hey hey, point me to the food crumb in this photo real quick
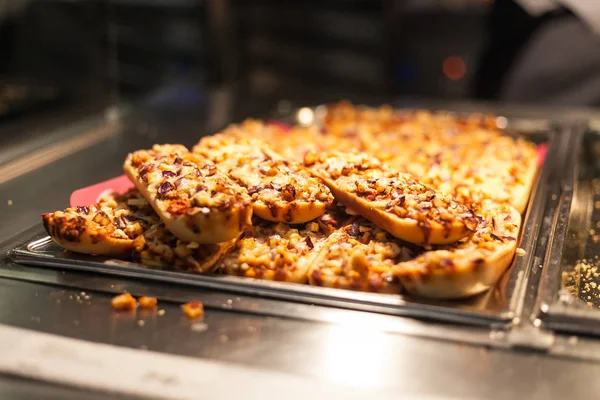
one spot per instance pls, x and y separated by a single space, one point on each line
124 302
521 252
141 323
147 303
161 312
193 309
10 202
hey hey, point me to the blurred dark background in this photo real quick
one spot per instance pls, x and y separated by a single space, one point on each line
86 55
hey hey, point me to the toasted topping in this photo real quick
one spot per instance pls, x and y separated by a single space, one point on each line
276 251
495 233
281 190
359 257
388 198
106 228
159 248
194 200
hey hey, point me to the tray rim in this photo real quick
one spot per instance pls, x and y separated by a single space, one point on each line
550 311
517 275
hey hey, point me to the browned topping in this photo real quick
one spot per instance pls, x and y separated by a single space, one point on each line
359 257
123 302
185 184
158 248
113 218
393 192
275 251
193 309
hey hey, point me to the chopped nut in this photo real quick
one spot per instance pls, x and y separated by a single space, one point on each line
124 302
193 309
161 312
147 303
521 252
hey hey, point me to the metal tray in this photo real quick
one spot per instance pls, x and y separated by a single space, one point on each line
495 308
569 296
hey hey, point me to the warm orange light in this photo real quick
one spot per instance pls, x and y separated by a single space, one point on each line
454 68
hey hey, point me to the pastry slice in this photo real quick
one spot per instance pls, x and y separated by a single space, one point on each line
360 256
394 201
279 252
158 248
108 228
196 202
281 190
470 266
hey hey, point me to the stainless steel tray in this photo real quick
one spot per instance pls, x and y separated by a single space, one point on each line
569 295
495 308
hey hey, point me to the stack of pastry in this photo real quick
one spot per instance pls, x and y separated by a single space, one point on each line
366 199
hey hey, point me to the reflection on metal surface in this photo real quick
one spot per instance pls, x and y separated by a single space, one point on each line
354 355
56 151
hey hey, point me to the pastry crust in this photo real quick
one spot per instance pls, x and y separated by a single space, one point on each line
107 228
196 202
159 248
394 201
360 256
279 252
469 267
467 157
281 190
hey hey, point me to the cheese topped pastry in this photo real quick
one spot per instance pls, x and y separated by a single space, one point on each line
470 266
281 190
196 202
394 201
360 256
107 228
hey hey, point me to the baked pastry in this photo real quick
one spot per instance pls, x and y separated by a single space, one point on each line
281 190
196 202
159 248
468 156
279 252
360 256
470 266
394 201
107 228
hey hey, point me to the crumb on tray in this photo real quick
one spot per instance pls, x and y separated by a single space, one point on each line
193 309
124 302
147 303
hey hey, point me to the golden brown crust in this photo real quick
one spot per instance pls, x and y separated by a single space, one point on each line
107 228
396 202
281 190
471 266
279 252
159 248
196 202
467 157
360 256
